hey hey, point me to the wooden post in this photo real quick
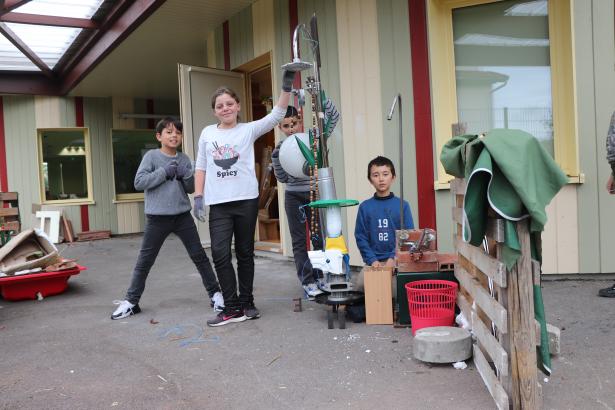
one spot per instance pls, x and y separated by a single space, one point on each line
522 328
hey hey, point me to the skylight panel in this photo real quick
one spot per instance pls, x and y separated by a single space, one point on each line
500 41
11 59
47 42
61 8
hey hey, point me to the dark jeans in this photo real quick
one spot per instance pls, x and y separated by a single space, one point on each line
236 218
297 225
157 228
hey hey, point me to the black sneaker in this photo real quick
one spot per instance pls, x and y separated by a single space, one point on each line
607 292
125 309
227 316
251 311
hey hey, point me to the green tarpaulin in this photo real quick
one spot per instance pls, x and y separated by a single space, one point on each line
510 172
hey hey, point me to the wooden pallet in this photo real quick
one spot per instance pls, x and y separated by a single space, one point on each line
93 235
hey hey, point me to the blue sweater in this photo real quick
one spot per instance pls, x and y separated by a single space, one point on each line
377 220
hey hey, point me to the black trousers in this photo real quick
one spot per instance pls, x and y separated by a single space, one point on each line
238 219
298 232
157 228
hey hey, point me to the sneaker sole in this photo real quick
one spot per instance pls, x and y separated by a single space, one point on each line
253 317
128 314
226 322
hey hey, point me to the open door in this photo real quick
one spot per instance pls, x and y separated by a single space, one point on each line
196 85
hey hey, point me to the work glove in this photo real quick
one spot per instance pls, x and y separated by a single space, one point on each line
182 171
171 169
288 77
199 209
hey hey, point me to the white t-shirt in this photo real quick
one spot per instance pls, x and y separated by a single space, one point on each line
227 157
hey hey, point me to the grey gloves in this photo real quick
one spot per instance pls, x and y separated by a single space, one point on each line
199 209
171 169
182 171
288 77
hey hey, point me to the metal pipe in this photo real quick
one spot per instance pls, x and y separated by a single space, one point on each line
397 101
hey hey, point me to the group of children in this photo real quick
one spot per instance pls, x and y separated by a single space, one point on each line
224 179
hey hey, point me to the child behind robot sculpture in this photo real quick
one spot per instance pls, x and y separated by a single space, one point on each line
297 196
379 217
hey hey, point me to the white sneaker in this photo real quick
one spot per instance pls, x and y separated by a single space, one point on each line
311 289
218 302
124 309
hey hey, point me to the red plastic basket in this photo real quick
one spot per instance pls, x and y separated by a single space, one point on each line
24 287
431 303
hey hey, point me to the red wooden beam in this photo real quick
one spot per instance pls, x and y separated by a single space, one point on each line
227 45
4 179
38 19
31 83
10 5
23 47
107 39
422 114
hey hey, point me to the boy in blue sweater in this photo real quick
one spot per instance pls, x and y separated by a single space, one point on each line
379 216
167 178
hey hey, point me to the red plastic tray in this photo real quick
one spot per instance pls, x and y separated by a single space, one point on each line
27 286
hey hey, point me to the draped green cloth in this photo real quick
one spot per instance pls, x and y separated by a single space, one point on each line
510 172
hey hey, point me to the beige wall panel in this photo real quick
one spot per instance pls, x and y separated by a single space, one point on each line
560 244
262 26
122 105
361 105
47 112
128 218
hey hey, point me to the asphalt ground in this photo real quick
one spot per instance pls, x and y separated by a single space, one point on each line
64 352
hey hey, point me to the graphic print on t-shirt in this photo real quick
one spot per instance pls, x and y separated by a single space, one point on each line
225 157
383 228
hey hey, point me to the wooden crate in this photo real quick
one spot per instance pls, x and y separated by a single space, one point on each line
9 211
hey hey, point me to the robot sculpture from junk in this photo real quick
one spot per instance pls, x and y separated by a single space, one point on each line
304 154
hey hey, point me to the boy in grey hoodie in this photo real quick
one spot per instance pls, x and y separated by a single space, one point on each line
167 178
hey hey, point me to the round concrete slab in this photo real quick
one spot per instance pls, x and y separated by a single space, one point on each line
442 344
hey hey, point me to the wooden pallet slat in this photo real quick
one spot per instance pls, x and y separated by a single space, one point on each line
489 266
491 381
9 212
490 344
483 299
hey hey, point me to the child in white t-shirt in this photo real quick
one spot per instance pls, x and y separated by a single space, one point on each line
225 180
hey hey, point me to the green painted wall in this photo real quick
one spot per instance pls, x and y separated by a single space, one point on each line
396 77
98 117
241 42
595 63
22 153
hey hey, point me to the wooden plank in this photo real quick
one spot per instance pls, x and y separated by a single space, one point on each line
491 267
458 186
8 196
490 344
493 385
9 211
522 327
490 306
378 295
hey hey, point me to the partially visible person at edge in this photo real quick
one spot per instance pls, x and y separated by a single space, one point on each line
610 186
225 180
296 196
166 176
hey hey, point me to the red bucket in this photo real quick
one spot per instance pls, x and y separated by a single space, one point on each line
431 303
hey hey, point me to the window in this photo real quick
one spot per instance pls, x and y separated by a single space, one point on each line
129 146
504 64
65 165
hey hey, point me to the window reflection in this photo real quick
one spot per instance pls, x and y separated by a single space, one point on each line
64 165
503 69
